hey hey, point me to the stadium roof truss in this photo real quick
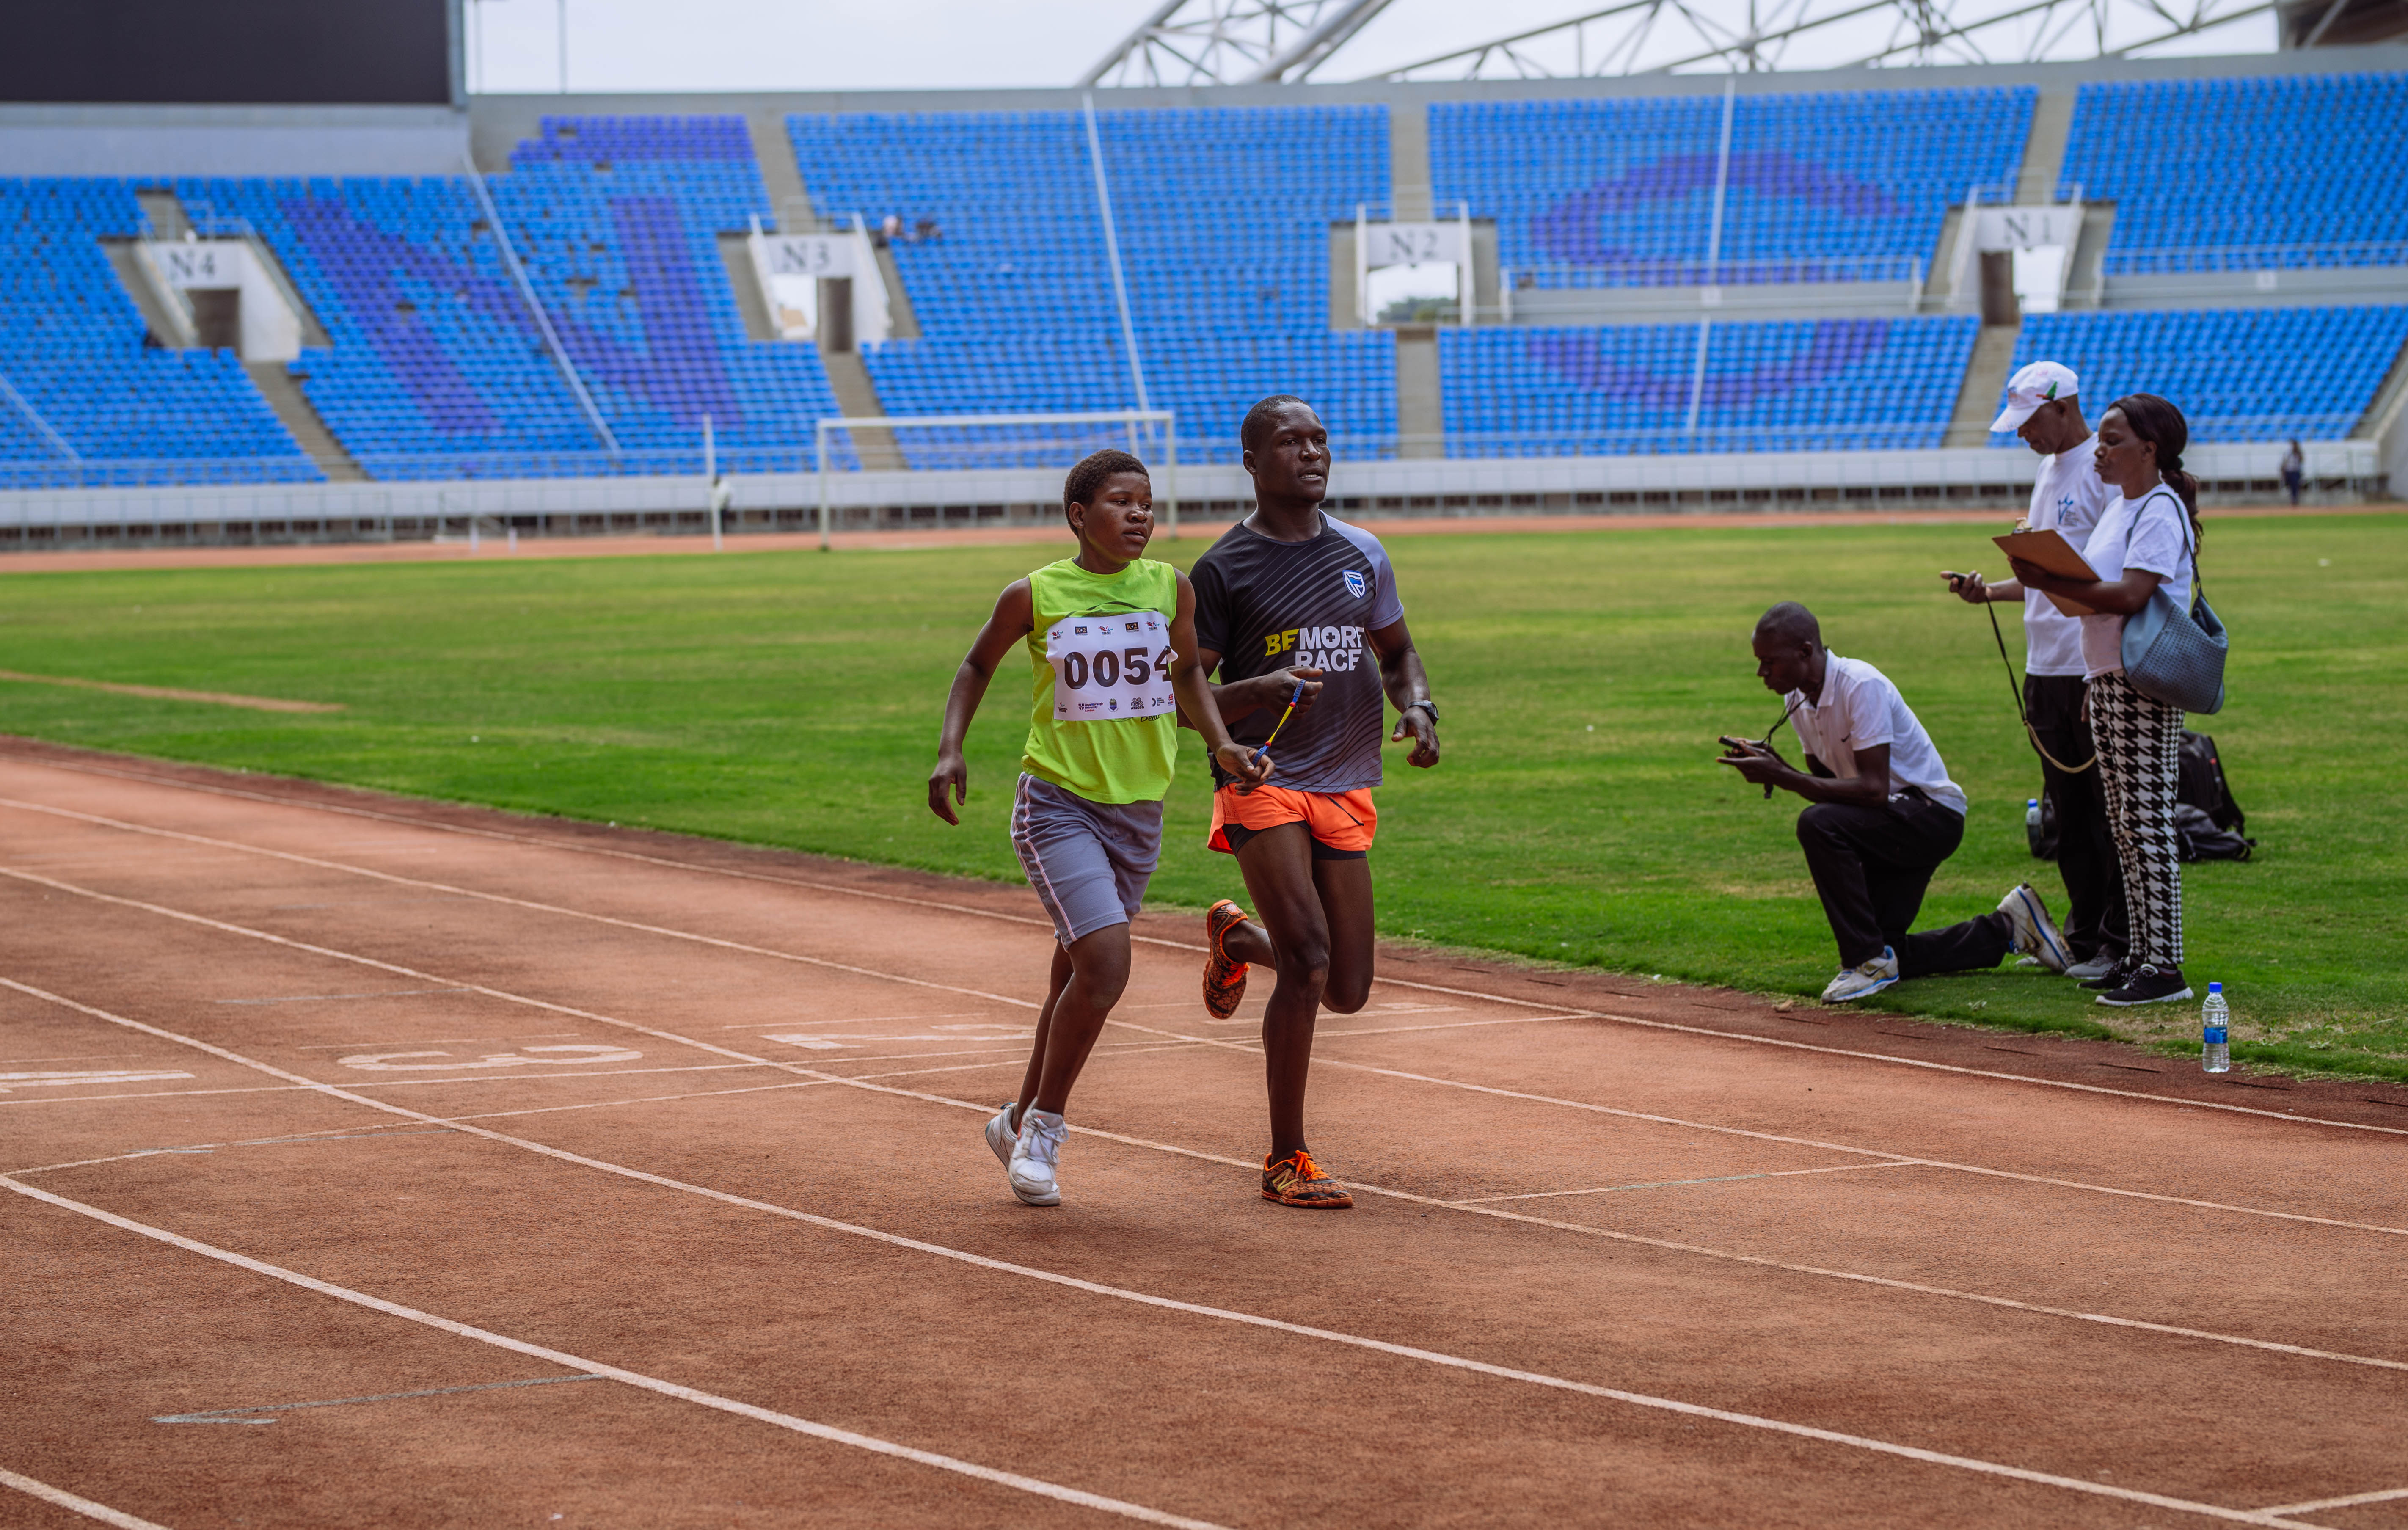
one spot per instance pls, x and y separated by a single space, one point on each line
1231 42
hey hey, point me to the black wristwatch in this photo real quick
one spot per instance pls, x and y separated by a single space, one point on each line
1429 707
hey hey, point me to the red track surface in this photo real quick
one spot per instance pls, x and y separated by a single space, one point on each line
1622 1255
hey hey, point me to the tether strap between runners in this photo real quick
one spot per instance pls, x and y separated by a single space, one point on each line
2016 691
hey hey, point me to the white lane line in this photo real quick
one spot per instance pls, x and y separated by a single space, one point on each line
2384 1497
650 1383
74 1504
1216 1041
1431 988
314 998
637 926
849 892
1321 1035
801 1071
431 1041
84 1079
1883 1282
237 1415
1254 1049
353 1132
153 1094
1671 1184
1479 1367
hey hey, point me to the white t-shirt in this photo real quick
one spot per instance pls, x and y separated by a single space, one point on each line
2068 497
2153 534
1861 709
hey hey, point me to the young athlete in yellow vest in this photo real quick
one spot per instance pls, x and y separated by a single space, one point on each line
1111 642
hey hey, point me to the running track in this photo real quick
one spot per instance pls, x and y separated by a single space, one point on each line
593 1177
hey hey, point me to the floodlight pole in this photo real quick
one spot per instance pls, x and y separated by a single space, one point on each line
1112 251
1714 251
819 452
710 480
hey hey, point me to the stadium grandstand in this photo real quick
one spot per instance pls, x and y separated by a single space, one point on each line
329 318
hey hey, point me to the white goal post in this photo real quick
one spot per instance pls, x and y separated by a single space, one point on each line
1138 421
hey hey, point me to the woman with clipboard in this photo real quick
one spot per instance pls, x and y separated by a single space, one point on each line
2148 536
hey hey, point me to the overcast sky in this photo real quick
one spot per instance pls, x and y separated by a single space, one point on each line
727 45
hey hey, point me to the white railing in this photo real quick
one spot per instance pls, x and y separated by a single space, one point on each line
2184 259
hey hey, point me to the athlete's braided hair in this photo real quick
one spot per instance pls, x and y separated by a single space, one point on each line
1092 470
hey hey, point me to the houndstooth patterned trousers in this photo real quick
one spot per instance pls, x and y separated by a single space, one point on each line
2140 758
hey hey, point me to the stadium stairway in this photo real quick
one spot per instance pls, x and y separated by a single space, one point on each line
2052 124
848 376
283 391
1985 382
857 397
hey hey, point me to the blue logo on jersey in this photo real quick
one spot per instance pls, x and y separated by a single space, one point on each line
1354 583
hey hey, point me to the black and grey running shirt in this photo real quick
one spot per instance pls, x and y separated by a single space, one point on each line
1265 605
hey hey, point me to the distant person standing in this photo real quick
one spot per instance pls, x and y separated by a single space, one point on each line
2295 463
2147 538
2045 409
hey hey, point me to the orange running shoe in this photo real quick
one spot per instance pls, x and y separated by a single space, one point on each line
1224 980
1297 1180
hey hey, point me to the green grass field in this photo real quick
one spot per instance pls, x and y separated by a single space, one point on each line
793 698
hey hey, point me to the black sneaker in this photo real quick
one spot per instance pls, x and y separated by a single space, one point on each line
2148 985
2117 973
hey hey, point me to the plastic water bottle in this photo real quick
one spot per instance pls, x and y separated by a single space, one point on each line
2214 1051
2031 822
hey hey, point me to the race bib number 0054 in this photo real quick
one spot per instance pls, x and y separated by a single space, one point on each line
1110 666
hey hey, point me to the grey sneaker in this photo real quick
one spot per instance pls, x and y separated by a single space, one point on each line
1857 982
1035 1156
2034 935
2092 970
1001 1133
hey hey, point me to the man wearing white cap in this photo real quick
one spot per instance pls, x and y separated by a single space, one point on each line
2045 409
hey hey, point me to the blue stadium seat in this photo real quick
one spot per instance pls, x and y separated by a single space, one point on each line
1826 186
2237 374
2254 173
438 371
1224 222
1828 385
71 346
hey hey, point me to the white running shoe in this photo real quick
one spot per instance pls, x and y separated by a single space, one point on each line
1857 982
2034 935
2092 970
1001 1136
1035 1156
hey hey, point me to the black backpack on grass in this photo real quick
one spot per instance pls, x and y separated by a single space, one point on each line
2207 821
2202 785
2208 824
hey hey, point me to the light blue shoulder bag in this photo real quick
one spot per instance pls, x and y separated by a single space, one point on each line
2173 656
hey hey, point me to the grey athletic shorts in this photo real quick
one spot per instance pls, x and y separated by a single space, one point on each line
1088 860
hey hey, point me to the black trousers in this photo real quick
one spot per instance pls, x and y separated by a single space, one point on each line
1870 866
2094 921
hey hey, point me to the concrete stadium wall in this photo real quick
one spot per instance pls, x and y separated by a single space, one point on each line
163 141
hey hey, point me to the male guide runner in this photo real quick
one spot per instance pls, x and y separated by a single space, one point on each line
1114 657
1294 607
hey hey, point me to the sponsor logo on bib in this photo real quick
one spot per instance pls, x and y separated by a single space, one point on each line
1356 583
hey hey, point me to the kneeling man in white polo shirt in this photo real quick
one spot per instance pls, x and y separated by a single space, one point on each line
1882 816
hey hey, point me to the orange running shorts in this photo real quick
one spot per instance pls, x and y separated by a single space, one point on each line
1342 823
